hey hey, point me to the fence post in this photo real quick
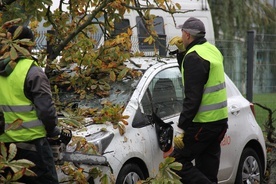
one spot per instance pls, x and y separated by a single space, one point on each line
250 62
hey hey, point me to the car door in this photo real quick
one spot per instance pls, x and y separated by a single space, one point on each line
164 96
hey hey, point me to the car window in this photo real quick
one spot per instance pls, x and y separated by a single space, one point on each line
164 94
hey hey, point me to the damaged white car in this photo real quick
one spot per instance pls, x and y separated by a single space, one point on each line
136 154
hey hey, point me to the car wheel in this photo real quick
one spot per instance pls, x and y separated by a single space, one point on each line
130 174
249 169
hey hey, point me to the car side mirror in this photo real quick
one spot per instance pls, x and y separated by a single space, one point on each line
140 119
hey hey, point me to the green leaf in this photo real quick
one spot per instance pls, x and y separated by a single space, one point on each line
14 167
169 160
3 151
4 48
95 172
13 54
23 162
12 152
17 32
122 74
6 55
104 179
17 165
1 166
65 114
72 122
17 175
22 50
176 166
93 87
26 42
29 172
112 76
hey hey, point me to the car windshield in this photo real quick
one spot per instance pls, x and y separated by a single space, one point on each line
120 93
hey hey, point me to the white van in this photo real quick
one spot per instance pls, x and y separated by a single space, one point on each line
166 25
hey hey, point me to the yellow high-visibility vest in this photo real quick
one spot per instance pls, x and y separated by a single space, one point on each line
17 107
213 106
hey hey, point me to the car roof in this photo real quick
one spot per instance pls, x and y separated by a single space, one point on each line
143 63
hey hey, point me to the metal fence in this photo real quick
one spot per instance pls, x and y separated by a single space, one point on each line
263 71
264 62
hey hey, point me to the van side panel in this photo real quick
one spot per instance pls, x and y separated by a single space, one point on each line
190 8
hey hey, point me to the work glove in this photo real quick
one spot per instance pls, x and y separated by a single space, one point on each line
178 42
54 133
178 139
58 142
65 136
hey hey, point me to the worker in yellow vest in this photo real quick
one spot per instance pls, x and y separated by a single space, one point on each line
25 95
204 116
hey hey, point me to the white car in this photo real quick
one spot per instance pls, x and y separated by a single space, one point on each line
136 155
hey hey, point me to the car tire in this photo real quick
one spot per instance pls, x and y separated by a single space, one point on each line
250 169
130 174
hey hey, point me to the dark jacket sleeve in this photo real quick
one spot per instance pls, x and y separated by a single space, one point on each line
196 73
37 89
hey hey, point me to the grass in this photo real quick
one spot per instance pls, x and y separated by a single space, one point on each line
268 100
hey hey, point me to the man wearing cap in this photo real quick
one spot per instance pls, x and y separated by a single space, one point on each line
204 116
26 96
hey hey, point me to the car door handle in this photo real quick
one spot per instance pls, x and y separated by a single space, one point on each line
235 110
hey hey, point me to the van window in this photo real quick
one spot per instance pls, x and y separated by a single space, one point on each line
142 33
121 27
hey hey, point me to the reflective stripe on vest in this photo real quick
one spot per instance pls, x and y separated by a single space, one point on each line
26 124
18 108
21 108
213 106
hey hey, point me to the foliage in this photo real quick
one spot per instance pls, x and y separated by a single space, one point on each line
268 124
12 47
166 175
11 170
233 18
76 174
270 143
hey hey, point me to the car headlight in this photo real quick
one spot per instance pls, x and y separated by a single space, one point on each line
101 140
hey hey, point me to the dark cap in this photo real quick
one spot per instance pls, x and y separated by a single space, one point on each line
26 32
193 26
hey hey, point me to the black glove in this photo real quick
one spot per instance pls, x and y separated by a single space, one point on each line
65 136
173 52
54 133
179 56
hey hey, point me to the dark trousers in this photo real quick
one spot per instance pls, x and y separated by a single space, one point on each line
42 157
201 144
